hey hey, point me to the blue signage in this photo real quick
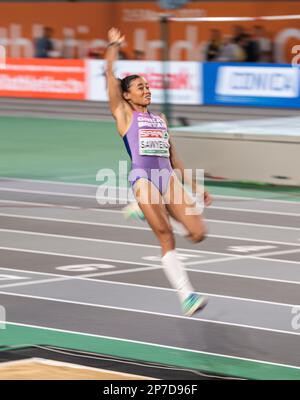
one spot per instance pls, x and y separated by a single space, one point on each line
249 84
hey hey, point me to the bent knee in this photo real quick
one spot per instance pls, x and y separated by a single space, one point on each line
197 236
163 231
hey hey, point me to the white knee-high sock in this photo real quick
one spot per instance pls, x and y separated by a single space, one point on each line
176 274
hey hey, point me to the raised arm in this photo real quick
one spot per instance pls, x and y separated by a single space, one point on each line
116 101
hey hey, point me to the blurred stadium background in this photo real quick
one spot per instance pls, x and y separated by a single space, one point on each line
226 73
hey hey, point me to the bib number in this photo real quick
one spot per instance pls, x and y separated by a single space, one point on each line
154 142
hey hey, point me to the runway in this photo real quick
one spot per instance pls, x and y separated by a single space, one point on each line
71 266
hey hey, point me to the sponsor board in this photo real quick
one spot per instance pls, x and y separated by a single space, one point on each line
190 83
37 78
251 85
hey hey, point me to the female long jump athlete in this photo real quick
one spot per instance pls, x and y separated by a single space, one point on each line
156 186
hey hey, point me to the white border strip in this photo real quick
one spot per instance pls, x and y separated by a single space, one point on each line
230 19
173 316
155 345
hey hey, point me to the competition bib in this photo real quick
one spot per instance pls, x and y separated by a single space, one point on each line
154 142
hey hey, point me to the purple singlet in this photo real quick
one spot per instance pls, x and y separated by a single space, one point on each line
147 143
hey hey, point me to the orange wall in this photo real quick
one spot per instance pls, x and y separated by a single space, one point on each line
92 20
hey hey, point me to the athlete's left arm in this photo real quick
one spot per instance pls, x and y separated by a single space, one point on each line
177 165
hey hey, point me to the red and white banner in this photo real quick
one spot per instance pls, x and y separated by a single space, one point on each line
85 80
37 78
183 77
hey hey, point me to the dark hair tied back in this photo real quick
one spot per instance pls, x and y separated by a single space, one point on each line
126 82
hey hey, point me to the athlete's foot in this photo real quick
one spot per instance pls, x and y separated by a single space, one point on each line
193 303
133 211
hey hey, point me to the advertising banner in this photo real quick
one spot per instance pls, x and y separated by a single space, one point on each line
266 85
39 78
183 79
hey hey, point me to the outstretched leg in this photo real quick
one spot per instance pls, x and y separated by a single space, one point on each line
184 209
157 217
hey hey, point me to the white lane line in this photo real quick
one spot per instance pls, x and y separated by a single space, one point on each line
82 221
123 200
254 277
274 259
152 344
297 244
265 200
83 277
107 241
219 221
33 272
69 277
110 200
135 263
45 205
49 280
277 253
11 269
55 205
74 221
254 211
141 228
99 281
222 296
58 300
133 244
109 259
188 266
102 210
214 260
75 256
125 271
81 238
84 196
46 182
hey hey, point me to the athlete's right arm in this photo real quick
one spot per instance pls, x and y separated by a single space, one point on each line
116 101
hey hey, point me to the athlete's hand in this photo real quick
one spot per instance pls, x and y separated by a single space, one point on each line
207 199
115 36
203 195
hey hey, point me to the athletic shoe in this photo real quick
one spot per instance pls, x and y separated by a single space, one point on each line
133 211
193 303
